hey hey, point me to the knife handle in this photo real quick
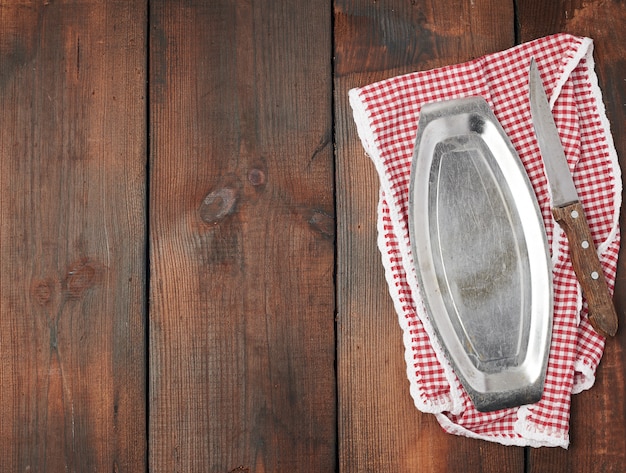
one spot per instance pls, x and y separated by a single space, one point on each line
584 257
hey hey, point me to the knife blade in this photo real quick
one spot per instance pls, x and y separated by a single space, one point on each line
568 211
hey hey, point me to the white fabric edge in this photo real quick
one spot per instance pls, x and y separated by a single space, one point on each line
455 405
362 120
536 437
430 406
586 379
527 441
606 128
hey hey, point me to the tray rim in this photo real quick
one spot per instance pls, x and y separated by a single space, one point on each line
488 391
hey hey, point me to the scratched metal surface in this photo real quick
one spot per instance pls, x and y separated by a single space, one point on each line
481 253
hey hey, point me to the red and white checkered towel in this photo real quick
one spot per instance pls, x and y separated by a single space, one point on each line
386 114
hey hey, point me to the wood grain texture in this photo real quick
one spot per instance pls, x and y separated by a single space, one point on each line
242 236
598 417
379 427
72 236
242 231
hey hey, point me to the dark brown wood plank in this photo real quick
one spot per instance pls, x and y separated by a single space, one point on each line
72 236
379 427
598 417
242 230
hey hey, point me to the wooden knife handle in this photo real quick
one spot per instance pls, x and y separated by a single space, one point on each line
587 267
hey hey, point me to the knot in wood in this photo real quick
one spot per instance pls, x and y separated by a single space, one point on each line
42 292
323 223
80 277
218 204
256 177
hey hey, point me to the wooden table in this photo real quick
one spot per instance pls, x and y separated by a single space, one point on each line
190 279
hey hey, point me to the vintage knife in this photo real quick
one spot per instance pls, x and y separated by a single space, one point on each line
568 211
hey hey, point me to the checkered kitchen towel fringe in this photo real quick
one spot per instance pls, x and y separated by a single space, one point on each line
386 114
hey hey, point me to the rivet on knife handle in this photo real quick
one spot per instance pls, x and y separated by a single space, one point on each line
587 267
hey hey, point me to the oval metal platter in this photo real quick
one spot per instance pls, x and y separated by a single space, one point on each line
481 253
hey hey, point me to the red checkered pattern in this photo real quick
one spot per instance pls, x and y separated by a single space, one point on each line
387 114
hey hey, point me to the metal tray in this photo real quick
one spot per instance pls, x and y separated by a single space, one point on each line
481 253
